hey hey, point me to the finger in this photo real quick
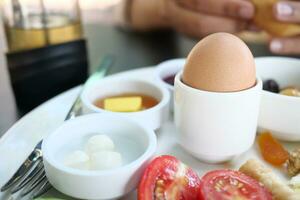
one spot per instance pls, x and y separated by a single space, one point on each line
253 27
233 8
287 11
285 45
198 24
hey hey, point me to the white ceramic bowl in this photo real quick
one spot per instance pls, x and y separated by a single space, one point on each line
278 113
168 68
153 117
135 142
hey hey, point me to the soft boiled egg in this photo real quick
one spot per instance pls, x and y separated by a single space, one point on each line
221 62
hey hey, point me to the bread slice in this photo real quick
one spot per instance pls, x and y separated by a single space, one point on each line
264 18
264 175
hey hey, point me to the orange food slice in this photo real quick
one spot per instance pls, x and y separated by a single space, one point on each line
265 19
271 150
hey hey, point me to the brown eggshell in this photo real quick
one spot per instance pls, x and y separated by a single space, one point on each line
220 62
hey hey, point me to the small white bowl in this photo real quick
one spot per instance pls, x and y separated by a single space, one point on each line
278 113
136 143
168 68
153 117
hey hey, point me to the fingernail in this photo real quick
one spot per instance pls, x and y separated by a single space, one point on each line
276 46
246 12
284 9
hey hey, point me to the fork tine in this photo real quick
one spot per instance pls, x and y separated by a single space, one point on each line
22 172
25 168
35 186
34 172
42 190
34 183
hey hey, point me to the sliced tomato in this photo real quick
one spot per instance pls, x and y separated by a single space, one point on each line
166 178
231 185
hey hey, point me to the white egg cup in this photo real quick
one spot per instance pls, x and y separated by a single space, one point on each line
214 126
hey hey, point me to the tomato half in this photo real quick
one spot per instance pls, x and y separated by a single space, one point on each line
231 185
166 178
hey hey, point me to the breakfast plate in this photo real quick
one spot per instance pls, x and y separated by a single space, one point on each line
19 140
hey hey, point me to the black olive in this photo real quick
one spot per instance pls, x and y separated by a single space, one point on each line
271 86
169 79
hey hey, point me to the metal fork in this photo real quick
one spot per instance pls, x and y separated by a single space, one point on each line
31 177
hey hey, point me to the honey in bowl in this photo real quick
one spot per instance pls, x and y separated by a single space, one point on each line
127 102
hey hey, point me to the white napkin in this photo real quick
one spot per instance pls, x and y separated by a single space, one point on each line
8 113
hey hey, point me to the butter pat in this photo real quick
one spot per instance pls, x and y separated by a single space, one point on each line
123 104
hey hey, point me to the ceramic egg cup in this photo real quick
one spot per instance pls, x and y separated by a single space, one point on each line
214 126
135 142
153 117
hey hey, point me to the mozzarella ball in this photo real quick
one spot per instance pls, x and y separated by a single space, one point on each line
99 143
102 160
77 160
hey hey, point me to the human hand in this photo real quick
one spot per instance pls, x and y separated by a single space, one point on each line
286 11
195 18
198 18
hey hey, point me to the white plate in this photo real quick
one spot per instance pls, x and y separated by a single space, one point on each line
19 140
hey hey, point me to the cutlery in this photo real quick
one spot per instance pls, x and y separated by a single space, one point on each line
31 175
